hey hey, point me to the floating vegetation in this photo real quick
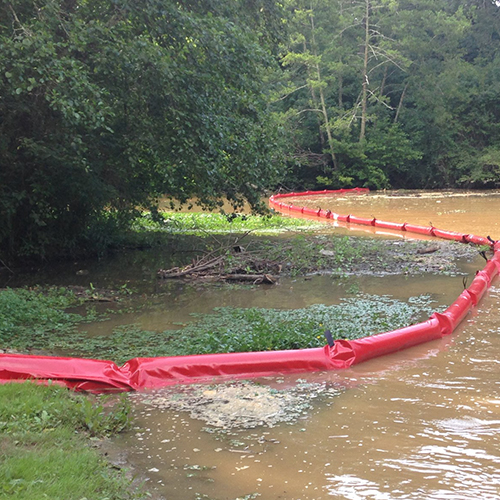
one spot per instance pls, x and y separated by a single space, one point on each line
230 329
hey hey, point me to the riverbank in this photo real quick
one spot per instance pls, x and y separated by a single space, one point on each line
47 438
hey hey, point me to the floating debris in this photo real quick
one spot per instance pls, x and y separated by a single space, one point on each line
239 404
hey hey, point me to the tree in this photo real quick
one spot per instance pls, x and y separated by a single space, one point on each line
405 93
350 62
452 91
105 106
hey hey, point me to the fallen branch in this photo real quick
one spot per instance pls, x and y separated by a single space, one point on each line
191 269
230 263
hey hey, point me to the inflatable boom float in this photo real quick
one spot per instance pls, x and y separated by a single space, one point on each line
151 373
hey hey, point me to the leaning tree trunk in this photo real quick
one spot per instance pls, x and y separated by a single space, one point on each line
364 93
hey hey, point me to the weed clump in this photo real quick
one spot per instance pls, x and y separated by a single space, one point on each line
257 329
32 318
229 329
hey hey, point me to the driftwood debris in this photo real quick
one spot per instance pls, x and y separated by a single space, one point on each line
228 265
197 267
257 279
426 250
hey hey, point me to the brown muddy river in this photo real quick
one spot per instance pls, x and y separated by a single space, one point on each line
420 424
470 213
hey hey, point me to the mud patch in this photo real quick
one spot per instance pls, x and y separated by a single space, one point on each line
390 257
239 405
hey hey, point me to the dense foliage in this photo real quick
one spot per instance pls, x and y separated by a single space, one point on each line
105 106
394 93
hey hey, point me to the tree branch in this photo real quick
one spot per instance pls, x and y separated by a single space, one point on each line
26 30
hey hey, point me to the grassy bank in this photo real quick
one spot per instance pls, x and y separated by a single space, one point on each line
206 230
216 223
44 445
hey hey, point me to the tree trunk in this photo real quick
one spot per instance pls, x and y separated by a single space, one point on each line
315 104
364 94
384 79
400 105
324 109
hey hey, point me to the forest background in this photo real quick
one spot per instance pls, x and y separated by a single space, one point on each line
107 106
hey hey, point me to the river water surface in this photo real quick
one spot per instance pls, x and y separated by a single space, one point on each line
423 423
470 213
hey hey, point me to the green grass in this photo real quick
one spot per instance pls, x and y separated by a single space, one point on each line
44 445
216 223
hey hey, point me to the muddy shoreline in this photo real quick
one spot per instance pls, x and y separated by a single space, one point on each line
414 257
267 261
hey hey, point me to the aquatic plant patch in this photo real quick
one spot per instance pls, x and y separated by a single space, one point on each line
258 329
204 222
254 329
34 315
37 320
